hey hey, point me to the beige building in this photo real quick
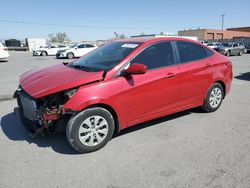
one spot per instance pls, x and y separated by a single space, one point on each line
215 34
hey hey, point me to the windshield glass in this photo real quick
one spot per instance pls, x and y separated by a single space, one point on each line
73 46
105 57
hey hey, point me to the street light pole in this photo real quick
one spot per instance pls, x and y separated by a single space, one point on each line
222 21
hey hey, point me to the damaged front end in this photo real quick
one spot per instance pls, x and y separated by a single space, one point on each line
46 114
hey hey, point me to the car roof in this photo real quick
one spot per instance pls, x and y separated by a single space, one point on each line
153 39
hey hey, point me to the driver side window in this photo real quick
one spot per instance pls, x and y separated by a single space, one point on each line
156 56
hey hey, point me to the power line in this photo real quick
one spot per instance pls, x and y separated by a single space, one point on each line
66 25
86 26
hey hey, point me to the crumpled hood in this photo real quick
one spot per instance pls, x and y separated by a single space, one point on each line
39 83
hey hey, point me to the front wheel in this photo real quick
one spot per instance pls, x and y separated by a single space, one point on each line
90 130
70 55
213 98
228 53
43 53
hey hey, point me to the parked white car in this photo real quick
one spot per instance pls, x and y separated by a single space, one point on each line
3 51
77 50
48 50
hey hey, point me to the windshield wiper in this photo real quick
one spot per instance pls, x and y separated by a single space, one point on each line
81 67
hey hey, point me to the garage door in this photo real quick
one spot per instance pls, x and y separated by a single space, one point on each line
219 36
210 36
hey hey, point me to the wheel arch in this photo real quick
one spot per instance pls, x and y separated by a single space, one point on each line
111 110
223 86
70 53
45 52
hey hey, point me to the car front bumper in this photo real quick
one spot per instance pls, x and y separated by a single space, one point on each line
36 53
61 55
223 52
27 112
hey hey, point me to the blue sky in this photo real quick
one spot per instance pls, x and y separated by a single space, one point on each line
98 19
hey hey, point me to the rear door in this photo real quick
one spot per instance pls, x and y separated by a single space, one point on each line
80 50
195 72
236 49
157 90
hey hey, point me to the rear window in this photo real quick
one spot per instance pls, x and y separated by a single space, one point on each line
191 52
209 52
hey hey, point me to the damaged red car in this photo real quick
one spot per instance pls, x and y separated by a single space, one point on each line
121 84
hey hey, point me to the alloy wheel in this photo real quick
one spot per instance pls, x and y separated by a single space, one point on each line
215 97
93 130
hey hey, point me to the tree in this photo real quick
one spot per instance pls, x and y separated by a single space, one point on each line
58 37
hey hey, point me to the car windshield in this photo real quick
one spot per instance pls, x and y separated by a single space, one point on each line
105 57
72 46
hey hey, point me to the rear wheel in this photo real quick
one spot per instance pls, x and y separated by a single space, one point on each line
213 98
90 130
240 53
70 55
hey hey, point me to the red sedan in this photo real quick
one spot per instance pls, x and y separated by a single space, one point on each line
121 84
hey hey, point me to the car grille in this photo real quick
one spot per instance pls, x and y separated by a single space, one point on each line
28 106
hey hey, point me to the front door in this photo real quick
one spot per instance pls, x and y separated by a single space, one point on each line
157 90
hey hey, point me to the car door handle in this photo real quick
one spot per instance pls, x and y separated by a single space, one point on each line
170 75
208 65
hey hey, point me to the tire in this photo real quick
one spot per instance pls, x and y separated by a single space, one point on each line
83 130
240 53
70 55
228 53
43 53
214 98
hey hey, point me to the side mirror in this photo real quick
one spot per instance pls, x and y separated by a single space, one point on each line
136 69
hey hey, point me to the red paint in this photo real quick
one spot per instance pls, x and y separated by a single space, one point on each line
137 98
137 69
39 83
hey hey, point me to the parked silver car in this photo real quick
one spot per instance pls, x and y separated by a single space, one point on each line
243 47
231 48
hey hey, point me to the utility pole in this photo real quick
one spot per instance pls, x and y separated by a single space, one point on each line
222 21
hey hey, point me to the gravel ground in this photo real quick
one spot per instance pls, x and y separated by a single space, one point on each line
187 149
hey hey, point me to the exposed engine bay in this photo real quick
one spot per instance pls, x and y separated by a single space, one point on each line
44 115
